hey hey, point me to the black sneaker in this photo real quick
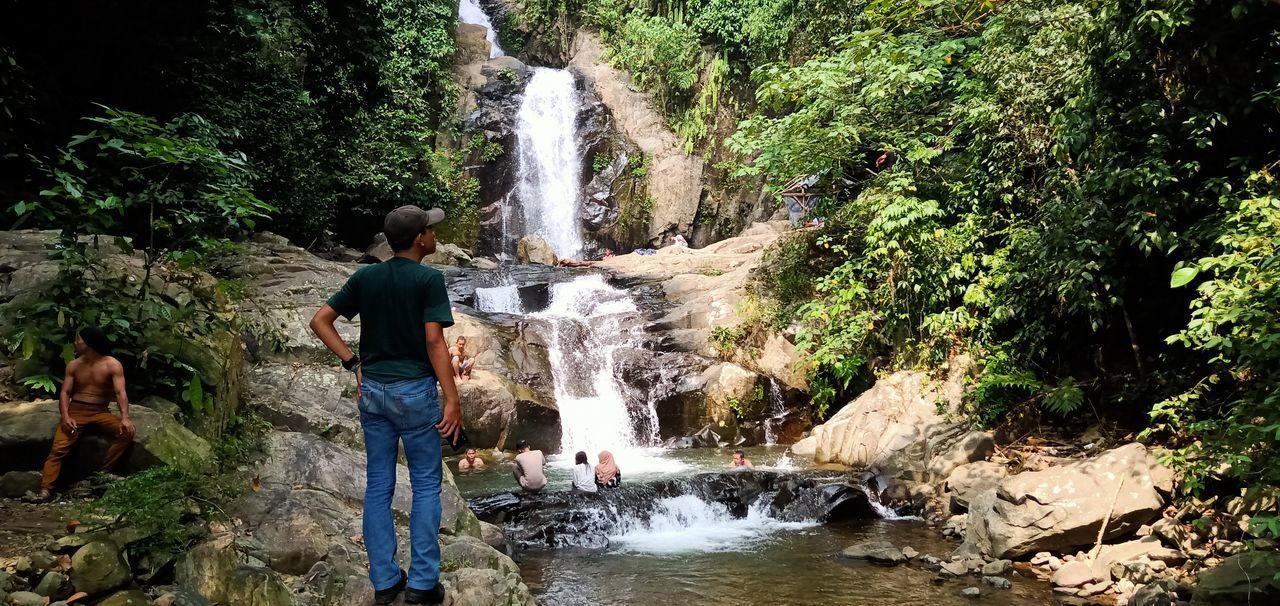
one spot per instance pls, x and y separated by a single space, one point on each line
385 597
435 595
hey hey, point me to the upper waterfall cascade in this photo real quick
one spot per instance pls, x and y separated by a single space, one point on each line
469 11
550 161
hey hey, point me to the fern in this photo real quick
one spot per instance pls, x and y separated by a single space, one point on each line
1065 398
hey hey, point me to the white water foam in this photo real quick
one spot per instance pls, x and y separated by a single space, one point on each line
550 185
689 524
469 11
885 512
503 299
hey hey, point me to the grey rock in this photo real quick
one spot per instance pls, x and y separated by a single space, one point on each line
1156 593
909 552
970 592
1240 579
26 598
1094 588
476 586
997 567
1072 574
970 448
880 552
1063 507
997 582
52 585
955 569
470 552
492 535
972 479
98 568
131 597
15 484
534 249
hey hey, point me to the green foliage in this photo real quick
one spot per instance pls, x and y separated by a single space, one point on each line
1231 415
165 504
725 340
163 189
1002 386
599 162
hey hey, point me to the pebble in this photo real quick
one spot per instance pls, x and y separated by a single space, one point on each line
22 565
955 569
1094 588
997 582
26 598
910 552
970 592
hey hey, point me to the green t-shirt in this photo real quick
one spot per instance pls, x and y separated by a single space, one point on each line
394 300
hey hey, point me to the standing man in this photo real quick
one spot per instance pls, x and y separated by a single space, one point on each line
91 381
404 309
528 468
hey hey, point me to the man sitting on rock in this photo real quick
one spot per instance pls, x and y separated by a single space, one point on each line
91 381
471 462
404 309
462 363
528 469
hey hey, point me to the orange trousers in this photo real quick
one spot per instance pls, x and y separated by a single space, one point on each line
85 417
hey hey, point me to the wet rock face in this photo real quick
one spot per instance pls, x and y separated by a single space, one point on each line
563 519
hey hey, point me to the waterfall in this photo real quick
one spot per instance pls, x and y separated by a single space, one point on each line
588 322
504 299
776 412
549 186
469 11
688 523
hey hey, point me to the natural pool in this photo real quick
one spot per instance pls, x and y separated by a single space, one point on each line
690 551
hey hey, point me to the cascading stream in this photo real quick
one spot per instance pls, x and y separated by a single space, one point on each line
588 322
469 11
549 188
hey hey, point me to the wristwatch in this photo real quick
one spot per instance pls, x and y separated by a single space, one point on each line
352 363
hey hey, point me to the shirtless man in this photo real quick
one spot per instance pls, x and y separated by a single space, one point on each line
740 460
471 462
462 363
91 381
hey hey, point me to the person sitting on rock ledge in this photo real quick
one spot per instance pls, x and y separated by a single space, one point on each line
740 460
528 468
470 462
91 380
462 363
584 475
607 474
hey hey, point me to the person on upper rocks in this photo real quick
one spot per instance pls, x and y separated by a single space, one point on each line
91 381
462 363
405 394
608 476
528 468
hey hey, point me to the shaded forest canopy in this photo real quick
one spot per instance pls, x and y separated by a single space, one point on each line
335 105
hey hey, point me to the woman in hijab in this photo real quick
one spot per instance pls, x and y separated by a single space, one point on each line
584 476
607 474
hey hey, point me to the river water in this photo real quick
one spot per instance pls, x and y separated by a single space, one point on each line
689 551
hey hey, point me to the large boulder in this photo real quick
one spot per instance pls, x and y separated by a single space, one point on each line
98 568
972 479
309 398
534 249
294 529
312 462
485 587
901 428
1064 507
1245 578
215 570
27 430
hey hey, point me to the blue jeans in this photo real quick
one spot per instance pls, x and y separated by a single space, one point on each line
405 410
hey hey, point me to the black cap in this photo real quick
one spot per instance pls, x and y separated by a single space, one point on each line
403 224
521 445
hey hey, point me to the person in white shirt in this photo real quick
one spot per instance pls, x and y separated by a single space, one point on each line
584 474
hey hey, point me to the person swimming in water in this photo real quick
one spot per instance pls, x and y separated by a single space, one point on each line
740 460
